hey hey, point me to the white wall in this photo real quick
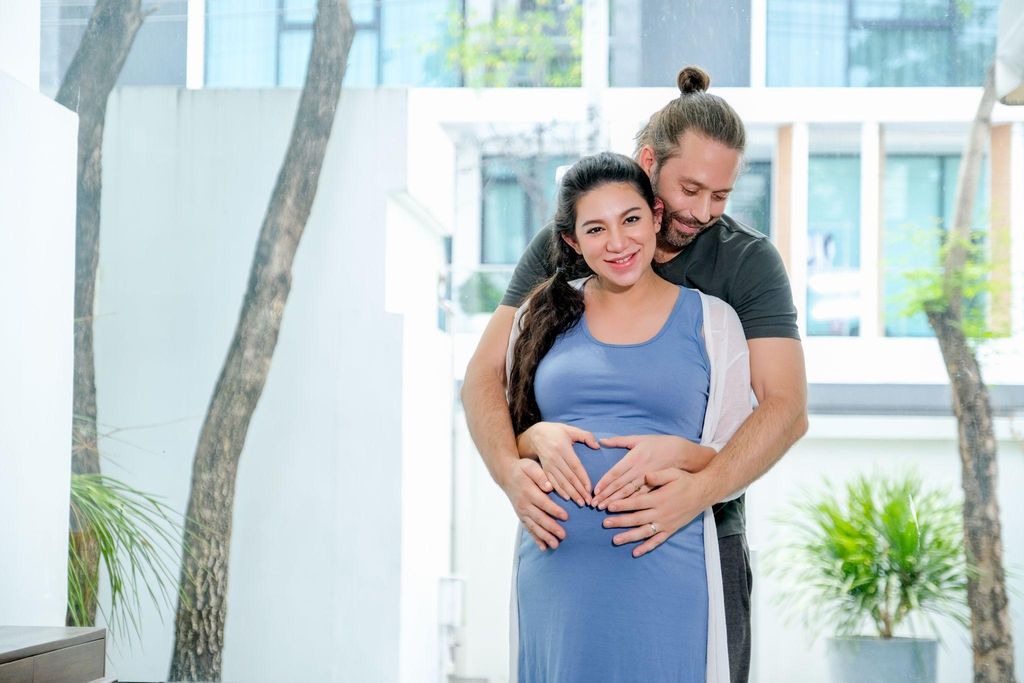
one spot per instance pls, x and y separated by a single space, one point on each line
414 250
319 552
835 447
19 40
37 267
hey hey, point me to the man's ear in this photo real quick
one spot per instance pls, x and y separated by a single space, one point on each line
659 213
646 159
568 239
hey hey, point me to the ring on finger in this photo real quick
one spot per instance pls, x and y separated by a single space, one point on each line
654 527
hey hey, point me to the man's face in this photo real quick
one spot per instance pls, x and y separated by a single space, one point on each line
694 185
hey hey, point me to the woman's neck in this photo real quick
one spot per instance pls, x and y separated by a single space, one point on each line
643 290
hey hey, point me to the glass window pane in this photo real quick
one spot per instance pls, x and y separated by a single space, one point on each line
362 61
505 215
913 200
364 11
920 192
750 200
645 48
833 245
241 43
882 43
300 11
518 199
295 47
414 43
906 57
806 43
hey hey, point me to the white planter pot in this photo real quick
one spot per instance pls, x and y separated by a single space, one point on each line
874 660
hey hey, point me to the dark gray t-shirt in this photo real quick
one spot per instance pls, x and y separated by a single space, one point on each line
728 260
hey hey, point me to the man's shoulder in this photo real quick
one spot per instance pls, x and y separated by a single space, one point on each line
733 233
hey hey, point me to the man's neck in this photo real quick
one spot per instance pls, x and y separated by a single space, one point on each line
666 254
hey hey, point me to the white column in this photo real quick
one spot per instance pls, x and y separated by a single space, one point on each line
798 226
595 44
37 267
758 43
595 71
872 159
1017 230
195 45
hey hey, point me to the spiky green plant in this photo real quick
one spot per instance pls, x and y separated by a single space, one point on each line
883 550
138 537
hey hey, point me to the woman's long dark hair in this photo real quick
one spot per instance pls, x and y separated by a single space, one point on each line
555 306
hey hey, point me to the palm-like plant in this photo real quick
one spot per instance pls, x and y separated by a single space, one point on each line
885 550
138 538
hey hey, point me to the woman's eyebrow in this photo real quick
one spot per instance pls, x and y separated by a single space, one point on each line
601 220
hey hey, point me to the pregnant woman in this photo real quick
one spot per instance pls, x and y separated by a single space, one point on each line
609 347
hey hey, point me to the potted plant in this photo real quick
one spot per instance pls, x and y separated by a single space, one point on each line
869 563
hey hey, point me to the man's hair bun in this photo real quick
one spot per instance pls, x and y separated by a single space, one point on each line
692 79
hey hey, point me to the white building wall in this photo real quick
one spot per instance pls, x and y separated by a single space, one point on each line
19 40
37 270
414 252
317 563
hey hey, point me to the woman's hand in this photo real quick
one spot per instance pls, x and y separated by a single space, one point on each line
676 498
647 453
527 487
551 444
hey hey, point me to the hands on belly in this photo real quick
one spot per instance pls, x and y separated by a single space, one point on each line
651 461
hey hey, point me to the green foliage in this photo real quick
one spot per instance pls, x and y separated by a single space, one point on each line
930 288
879 553
137 536
481 293
538 47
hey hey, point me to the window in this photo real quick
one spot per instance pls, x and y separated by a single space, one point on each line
157 56
919 195
268 44
879 42
518 199
652 39
833 245
751 199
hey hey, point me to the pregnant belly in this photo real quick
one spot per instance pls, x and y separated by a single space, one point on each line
584 525
585 531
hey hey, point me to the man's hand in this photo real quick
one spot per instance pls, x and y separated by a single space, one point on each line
483 397
527 487
674 503
647 453
551 444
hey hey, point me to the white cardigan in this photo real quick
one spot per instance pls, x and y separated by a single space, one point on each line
730 401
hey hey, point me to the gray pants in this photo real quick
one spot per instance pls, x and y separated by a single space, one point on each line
736 584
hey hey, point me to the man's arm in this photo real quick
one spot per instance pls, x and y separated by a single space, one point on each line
483 398
779 382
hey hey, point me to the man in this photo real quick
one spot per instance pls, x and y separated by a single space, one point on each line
692 150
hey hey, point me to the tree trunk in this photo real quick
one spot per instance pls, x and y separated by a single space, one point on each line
201 614
91 76
991 635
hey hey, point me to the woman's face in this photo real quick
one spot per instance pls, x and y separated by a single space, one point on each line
616 233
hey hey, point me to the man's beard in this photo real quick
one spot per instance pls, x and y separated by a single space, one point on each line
671 239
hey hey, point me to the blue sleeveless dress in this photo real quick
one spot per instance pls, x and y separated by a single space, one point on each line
588 610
